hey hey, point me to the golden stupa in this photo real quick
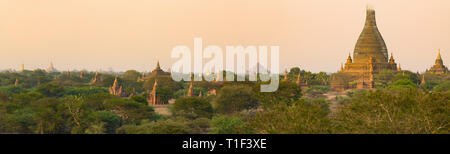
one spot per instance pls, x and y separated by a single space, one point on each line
370 56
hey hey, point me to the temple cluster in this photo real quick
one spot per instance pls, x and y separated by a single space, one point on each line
370 56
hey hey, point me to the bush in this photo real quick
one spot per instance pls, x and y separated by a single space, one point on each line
402 83
443 87
400 111
232 99
167 126
303 117
51 90
228 125
194 105
111 121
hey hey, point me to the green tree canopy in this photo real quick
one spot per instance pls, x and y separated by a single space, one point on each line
193 105
233 98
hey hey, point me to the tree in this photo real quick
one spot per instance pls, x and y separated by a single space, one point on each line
163 81
402 83
51 116
304 117
232 99
323 78
397 111
294 71
131 75
110 120
413 77
193 105
384 78
228 125
129 110
177 125
140 99
51 90
442 87
164 93
287 92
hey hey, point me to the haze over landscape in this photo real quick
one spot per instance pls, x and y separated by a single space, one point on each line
316 35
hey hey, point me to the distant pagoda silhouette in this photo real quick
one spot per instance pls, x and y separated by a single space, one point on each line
438 67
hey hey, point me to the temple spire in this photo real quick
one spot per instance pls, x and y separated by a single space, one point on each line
155 85
423 80
115 89
299 79
399 68
349 59
285 75
16 83
391 60
370 41
439 54
51 68
342 68
190 90
152 99
157 66
22 68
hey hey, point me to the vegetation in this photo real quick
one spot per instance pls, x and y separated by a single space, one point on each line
67 103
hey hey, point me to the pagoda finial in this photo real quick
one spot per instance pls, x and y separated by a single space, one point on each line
369 7
157 65
349 59
155 85
22 68
423 80
115 82
439 54
399 67
190 90
391 60
342 68
16 82
299 79
285 75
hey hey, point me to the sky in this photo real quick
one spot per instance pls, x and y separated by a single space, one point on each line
315 35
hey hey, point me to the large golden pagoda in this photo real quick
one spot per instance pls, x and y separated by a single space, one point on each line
370 56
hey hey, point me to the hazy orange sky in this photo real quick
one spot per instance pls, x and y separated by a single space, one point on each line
316 35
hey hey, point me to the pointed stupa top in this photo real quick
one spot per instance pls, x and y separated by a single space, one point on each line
439 60
399 68
157 66
190 90
16 82
22 68
115 84
423 80
439 54
157 71
285 75
342 68
299 79
349 59
370 42
155 85
391 60
51 68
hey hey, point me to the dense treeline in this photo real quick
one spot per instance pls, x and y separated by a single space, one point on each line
60 102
